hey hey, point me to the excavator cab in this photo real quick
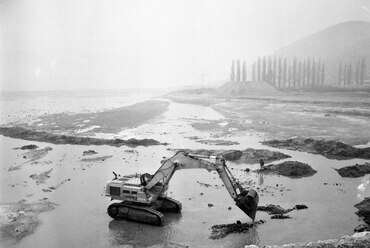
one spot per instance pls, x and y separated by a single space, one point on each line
247 201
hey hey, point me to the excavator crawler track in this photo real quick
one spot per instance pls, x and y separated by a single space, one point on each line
170 204
145 214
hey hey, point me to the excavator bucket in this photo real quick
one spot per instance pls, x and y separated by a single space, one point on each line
247 201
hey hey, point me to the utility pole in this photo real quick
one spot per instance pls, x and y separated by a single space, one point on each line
203 78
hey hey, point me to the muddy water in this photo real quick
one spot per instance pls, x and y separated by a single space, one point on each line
80 219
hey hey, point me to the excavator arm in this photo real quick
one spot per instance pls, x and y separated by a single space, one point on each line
246 200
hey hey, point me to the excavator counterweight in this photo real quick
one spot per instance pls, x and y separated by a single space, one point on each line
142 201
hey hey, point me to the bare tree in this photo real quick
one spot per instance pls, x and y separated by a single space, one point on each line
259 69
357 72
279 77
363 69
318 73
304 69
350 73
274 72
284 73
299 76
322 74
269 70
244 72
294 72
264 69
308 72
232 73
313 77
340 73
289 74
345 72
254 72
238 70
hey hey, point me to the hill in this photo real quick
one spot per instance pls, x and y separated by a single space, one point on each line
343 42
330 42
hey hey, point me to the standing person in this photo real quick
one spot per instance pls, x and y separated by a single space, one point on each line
262 163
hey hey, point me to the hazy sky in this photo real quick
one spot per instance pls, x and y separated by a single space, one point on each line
90 44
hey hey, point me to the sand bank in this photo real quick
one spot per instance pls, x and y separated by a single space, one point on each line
329 149
58 139
292 169
248 156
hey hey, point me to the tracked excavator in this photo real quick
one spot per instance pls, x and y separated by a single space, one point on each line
144 201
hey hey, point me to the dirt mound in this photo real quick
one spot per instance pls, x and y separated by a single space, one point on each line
248 156
292 169
29 147
358 170
249 88
281 216
33 157
364 210
89 152
272 209
222 230
329 149
41 178
58 139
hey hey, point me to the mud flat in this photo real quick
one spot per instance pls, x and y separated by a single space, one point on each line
330 149
41 178
21 218
274 209
292 169
27 147
109 121
248 156
58 139
356 240
358 170
32 157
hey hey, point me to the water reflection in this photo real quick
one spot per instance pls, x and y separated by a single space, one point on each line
125 232
260 178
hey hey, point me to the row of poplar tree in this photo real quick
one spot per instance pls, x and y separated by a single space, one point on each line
282 73
348 74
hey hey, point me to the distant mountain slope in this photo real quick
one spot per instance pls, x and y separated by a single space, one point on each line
330 41
344 42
